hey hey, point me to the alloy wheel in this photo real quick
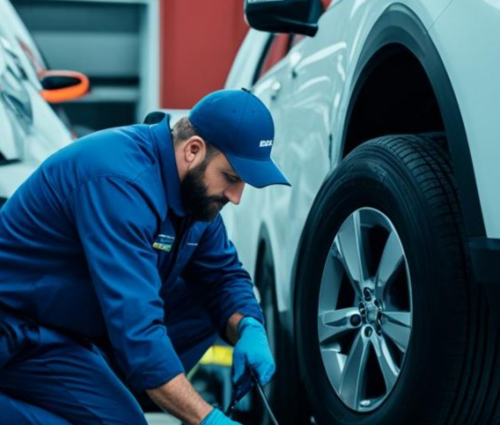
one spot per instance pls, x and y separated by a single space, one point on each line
365 310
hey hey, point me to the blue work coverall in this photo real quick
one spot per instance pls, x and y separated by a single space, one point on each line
96 251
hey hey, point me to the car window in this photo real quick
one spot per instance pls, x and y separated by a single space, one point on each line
277 48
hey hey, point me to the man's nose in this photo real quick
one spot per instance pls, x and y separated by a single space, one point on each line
234 192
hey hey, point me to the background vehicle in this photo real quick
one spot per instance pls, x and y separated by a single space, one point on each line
30 128
374 268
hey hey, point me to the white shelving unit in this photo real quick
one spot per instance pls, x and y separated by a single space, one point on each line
114 42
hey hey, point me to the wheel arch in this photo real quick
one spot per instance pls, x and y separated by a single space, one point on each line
397 50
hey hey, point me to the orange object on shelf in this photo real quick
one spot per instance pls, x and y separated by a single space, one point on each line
72 91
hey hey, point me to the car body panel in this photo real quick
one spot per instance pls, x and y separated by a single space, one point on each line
477 90
316 83
31 129
14 29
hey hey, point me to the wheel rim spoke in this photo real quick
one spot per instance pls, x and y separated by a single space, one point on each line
334 323
390 261
389 369
330 284
334 362
397 327
351 386
349 243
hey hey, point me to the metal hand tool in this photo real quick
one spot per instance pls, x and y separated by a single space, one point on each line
260 390
238 394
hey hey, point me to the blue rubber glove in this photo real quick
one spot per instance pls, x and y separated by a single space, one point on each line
216 417
252 352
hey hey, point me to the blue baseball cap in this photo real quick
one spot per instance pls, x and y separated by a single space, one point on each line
239 125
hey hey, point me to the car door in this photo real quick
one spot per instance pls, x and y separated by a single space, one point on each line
16 102
255 67
304 123
246 222
308 78
274 86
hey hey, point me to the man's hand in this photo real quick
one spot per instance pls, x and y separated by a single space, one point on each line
216 417
252 352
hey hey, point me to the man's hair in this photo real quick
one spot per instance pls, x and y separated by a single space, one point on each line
184 130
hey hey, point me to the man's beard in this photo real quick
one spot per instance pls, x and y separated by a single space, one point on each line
194 195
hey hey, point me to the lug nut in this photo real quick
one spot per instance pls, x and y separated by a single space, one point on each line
367 294
368 331
355 320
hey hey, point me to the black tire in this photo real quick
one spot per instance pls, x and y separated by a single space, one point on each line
451 373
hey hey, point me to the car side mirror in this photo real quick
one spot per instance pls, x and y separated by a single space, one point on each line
284 16
61 86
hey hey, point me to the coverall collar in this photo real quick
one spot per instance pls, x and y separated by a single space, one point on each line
168 166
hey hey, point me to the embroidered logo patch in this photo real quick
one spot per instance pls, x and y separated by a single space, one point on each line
265 143
164 242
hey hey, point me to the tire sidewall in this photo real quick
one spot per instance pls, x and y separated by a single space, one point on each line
371 178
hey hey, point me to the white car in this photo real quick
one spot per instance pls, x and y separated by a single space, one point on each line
30 129
379 269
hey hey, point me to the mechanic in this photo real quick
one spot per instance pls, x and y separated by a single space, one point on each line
116 273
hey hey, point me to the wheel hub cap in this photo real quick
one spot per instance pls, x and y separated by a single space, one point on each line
372 312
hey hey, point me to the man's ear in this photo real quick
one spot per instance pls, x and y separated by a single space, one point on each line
194 151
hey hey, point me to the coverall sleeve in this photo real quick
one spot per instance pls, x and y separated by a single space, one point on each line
218 279
116 222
